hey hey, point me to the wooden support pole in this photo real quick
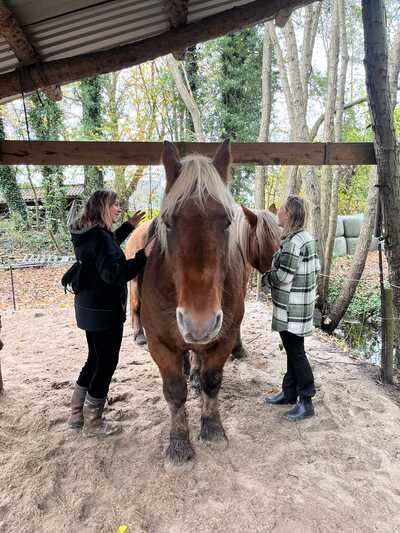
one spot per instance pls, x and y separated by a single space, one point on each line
387 346
149 153
75 68
19 43
178 12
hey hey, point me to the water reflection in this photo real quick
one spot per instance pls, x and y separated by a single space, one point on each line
363 339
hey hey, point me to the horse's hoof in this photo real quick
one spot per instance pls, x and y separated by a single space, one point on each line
239 353
195 381
212 431
177 468
140 339
179 451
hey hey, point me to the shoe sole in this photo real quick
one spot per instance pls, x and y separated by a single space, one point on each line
294 419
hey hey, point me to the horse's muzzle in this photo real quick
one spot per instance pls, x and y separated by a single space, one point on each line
196 331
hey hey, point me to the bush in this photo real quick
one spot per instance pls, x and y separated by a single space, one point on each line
366 302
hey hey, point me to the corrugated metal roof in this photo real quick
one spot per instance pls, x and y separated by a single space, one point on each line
67 28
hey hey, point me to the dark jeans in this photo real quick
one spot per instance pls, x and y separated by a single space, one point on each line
299 379
102 360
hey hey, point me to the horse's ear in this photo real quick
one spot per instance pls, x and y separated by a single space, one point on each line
251 217
222 160
171 161
272 208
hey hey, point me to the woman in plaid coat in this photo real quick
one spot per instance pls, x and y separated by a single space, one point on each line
292 281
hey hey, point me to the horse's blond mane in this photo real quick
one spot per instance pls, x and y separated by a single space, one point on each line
267 229
197 180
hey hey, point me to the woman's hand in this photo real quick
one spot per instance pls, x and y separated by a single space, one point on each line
149 247
136 218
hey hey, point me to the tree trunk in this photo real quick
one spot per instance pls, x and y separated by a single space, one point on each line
330 105
357 266
265 123
394 66
387 156
187 97
338 25
266 105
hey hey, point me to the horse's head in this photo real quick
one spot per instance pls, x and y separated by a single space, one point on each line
194 230
259 238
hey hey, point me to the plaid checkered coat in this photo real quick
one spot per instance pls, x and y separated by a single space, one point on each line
292 280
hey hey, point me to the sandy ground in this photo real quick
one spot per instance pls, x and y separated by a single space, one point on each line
339 471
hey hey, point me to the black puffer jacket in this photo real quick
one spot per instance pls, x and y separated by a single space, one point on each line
101 304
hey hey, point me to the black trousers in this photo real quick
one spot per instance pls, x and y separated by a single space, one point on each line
102 360
299 378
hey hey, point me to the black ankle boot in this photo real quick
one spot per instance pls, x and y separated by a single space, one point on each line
303 409
279 399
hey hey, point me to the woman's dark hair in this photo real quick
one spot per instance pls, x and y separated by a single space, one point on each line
97 210
297 210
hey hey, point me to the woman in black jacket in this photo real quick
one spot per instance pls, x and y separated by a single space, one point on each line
100 305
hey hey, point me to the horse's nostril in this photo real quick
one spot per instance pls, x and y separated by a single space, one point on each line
179 316
218 320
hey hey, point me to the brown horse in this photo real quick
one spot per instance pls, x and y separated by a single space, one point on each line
193 288
257 236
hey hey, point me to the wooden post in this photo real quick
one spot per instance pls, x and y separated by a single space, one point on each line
12 288
387 347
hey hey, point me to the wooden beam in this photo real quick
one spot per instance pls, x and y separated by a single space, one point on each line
178 12
143 153
282 17
75 68
19 43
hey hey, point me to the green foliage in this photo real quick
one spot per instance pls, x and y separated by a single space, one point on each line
233 94
90 95
11 192
46 119
34 241
365 305
397 121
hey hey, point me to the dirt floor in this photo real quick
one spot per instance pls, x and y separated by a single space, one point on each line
339 471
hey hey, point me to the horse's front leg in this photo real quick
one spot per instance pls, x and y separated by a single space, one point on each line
211 378
175 392
239 351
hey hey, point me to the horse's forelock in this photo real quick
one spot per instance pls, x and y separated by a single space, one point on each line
198 180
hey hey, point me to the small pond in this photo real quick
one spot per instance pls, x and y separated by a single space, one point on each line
364 339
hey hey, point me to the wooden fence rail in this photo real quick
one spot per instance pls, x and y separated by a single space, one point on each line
149 153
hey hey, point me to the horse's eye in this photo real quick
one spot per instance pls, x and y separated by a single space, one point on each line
227 224
167 222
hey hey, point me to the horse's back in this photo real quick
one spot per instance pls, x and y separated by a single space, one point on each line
138 239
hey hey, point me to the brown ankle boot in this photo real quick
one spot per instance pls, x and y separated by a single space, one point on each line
94 425
75 420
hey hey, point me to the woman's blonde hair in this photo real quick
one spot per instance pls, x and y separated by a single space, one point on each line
97 210
297 210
